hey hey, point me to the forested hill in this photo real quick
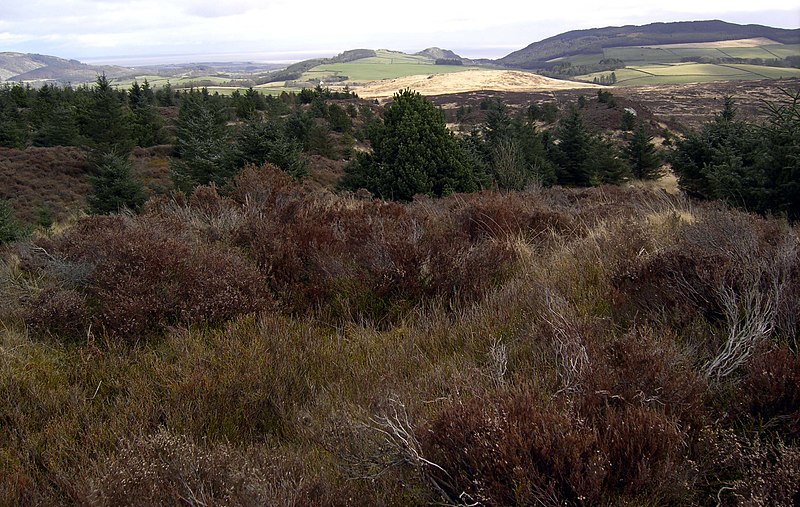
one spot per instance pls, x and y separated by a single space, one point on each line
596 39
27 67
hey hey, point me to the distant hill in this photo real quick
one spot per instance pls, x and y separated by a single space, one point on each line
35 67
594 40
439 54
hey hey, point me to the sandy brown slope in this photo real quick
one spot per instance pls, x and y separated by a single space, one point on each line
467 81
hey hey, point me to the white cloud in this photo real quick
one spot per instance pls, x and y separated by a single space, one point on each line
76 28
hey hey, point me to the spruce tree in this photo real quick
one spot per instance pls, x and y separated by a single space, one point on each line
642 155
572 153
108 125
201 144
260 142
113 186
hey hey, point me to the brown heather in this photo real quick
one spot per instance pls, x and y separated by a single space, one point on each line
276 344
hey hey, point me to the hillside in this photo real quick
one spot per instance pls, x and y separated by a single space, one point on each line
35 67
467 81
595 40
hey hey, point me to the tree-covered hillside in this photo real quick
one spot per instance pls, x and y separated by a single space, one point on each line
538 54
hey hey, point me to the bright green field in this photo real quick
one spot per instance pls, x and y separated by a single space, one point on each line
386 65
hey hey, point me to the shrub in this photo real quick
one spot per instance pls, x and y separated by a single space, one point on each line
524 449
145 277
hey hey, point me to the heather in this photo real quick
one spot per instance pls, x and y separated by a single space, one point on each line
272 342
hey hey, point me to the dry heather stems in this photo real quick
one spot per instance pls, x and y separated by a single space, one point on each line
571 353
751 311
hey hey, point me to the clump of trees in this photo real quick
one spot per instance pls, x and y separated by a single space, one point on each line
413 153
750 166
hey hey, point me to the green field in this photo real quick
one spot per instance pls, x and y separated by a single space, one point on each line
157 81
667 64
386 65
692 73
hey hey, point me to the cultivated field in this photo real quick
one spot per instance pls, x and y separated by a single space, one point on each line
678 73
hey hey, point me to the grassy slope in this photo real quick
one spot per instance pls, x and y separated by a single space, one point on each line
692 73
386 65
662 65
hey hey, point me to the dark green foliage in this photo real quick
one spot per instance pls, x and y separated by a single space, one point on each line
108 119
754 167
572 155
413 153
319 140
60 129
147 125
164 96
339 118
514 150
584 159
607 98
44 216
628 121
10 228
248 105
201 144
13 128
261 142
547 112
642 155
113 187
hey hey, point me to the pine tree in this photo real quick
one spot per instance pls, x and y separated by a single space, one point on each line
113 186
201 145
413 153
108 119
260 142
147 127
641 153
572 153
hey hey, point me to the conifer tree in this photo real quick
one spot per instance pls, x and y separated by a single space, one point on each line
641 153
413 153
10 228
108 125
260 142
201 144
113 186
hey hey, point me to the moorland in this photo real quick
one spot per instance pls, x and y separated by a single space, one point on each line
570 296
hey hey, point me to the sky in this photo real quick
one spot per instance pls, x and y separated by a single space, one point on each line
135 32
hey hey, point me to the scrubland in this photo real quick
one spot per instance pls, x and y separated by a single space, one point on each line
274 344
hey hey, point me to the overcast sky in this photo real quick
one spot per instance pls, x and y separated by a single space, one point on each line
112 31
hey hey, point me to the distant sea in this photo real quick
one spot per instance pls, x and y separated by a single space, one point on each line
261 57
284 57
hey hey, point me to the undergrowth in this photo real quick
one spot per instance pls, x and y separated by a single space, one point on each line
277 344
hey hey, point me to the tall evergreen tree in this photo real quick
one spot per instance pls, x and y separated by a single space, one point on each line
642 155
147 127
572 154
108 125
201 144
